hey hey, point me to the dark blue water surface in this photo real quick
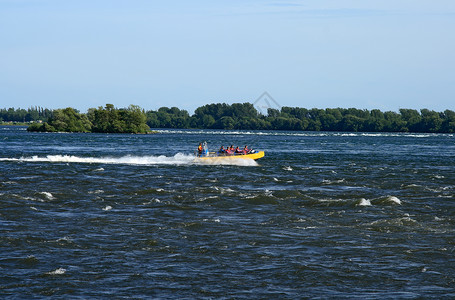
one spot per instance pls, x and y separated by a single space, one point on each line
322 215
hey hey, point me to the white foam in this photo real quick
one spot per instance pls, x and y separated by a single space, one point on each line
47 195
326 181
58 271
287 168
177 159
306 134
9 182
394 199
96 192
64 239
364 202
227 162
108 207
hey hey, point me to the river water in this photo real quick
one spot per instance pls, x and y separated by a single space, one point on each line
322 215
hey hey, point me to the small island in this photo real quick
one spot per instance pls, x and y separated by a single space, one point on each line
106 120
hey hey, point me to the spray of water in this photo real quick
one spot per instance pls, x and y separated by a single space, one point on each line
177 159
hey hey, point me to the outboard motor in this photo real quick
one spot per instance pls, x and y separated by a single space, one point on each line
205 149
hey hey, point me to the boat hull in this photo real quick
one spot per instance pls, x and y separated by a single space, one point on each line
253 156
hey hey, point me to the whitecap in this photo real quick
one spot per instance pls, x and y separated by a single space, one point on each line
9 182
108 207
66 239
364 202
412 185
47 195
287 168
58 271
96 192
326 181
394 200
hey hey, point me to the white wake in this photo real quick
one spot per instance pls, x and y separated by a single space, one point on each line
177 159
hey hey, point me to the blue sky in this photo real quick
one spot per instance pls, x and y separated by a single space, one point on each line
324 54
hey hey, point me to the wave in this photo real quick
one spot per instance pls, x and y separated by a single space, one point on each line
364 202
307 134
47 195
58 271
177 159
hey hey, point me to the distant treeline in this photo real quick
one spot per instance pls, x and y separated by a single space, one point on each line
21 115
243 116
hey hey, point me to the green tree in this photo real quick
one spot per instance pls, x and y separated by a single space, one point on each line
412 119
431 121
448 124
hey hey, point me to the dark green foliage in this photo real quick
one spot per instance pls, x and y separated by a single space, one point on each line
112 120
236 116
64 120
107 120
245 116
168 118
22 115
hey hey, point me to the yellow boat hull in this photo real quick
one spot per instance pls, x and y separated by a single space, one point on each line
254 156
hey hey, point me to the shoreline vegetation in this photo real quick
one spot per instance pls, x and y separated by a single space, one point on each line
240 116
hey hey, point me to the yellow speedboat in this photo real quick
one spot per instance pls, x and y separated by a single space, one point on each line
213 156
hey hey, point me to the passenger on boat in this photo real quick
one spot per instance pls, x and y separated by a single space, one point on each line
245 150
222 151
237 150
199 149
230 150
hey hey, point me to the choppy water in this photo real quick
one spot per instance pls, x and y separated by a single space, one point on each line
322 215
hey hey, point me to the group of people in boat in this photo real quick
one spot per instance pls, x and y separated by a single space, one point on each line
226 151
233 151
